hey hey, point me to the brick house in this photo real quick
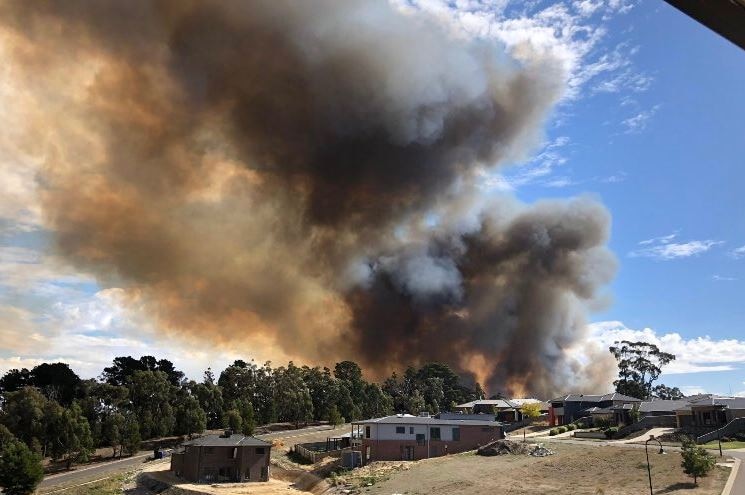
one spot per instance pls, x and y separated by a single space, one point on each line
709 412
566 409
223 458
505 410
406 437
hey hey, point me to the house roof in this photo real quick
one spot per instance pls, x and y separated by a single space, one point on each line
522 402
659 405
615 396
728 402
234 440
500 403
419 420
599 410
503 403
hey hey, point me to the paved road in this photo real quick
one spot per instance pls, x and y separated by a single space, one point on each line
57 482
93 472
738 487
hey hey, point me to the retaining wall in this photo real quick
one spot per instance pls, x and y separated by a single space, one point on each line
735 426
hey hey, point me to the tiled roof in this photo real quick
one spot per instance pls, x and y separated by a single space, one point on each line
231 441
419 420
599 410
660 405
501 403
615 396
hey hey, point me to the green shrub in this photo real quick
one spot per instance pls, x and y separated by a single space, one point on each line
571 427
601 423
561 429
553 432
697 462
610 432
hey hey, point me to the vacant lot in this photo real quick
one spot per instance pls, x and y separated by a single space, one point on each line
575 469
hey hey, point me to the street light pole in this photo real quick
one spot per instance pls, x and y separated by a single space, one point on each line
649 467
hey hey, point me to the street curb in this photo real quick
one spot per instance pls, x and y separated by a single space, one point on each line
732 476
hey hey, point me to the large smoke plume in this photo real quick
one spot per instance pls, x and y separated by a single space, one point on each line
304 175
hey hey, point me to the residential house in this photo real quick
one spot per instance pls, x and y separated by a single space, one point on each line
406 437
709 412
223 458
569 408
505 410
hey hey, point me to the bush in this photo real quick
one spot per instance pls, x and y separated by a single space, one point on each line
601 423
20 468
571 427
553 431
561 429
610 432
697 462
740 436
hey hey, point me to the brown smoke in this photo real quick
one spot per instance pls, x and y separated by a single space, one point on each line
305 174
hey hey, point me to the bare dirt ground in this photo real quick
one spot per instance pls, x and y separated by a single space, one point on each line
271 487
573 470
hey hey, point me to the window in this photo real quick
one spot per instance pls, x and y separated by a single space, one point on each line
209 450
411 430
420 439
232 453
367 432
456 434
260 451
400 429
434 433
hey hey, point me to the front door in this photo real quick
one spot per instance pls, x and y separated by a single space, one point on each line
409 453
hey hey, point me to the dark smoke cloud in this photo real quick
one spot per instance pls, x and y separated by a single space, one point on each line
304 175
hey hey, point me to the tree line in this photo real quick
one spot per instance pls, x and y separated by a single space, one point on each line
49 411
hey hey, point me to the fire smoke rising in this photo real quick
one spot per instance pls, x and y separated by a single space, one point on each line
305 176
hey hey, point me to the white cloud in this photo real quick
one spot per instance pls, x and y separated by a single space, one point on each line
738 252
665 239
696 355
639 122
614 179
663 248
537 171
723 278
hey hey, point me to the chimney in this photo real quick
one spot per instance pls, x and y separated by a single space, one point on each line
424 414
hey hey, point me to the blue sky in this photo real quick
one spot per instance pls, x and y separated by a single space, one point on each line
650 125
674 178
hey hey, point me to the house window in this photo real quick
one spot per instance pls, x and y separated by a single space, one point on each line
400 430
434 433
420 439
209 450
260 451
232 454
456 434
367 432
411 430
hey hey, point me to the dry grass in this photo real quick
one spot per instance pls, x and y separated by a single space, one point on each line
575 469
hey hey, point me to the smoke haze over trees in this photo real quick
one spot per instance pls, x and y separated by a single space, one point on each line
307 177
